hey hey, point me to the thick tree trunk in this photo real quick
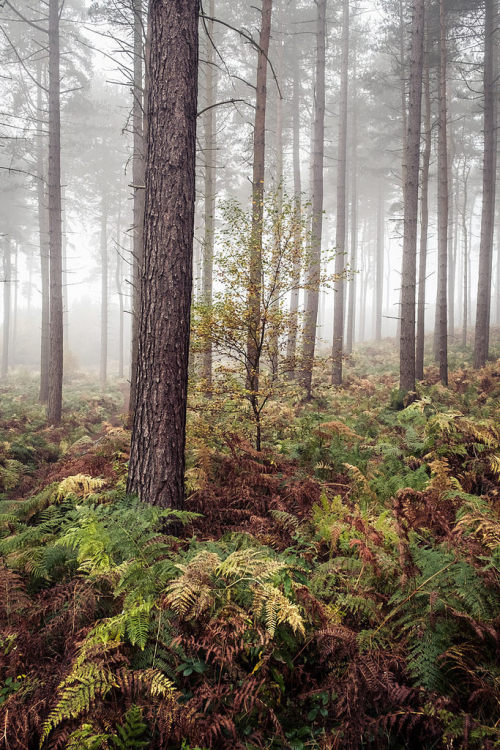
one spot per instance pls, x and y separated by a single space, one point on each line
291 346
54 405
7 283
408 275
424 227
138 164
340 231
379 281
156 467
482 334
43 234
259 147
443 204
278 179
103 361
314 269
210 128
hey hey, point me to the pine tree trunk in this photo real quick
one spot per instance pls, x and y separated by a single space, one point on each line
351 307
408 275
210 128
443 204
313 272
340 231
379 282
156 467
424 226
138 164
291 347
54 405
7 279
103 361
482 333
465 320
119 291
259 144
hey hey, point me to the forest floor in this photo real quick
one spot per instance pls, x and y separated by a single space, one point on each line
338 589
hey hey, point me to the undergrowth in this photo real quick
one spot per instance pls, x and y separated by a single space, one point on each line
337 590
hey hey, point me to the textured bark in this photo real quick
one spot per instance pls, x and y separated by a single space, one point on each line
340 231
7 273
156 467
138 163
103 360
210 129
278 178
259 147
379 280
291 346
318 147
54 404
443 204
408 275
482 334
424 227
351 307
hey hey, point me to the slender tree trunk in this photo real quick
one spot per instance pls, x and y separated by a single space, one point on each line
119 291
7 283
482 334
156 467
314 269
379 283
54 405
291 346
443 202
408 275
424 226
103 361
275 303
465 320
452 267
138 164
340 232
210 127
15 282
259 144
351 307
43 233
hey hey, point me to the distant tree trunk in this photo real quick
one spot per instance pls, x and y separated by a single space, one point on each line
54 405
119 291
408 275
259 144
465 319
210 128
65 272
103 361
291 346
351 307
452 257
156 467
15 283
443 203
424 226
340 231
138 163
43 233
313 272
379 283
482 334
7 279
